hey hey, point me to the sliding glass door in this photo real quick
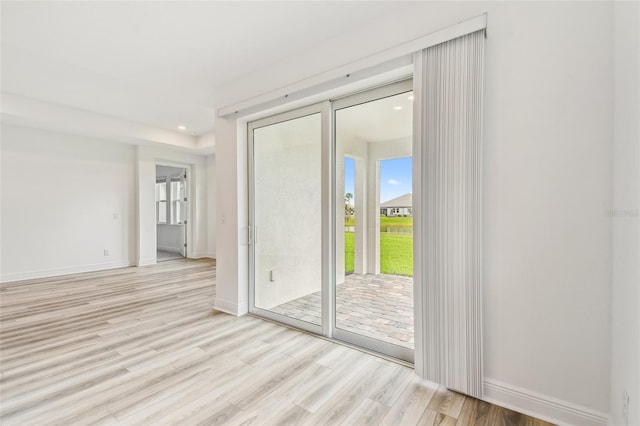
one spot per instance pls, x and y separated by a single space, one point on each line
285 224
374 220
330 190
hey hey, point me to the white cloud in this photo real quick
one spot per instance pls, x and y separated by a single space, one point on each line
393 182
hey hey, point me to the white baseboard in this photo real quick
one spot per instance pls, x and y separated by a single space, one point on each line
541 406
230 307
224 306
46 273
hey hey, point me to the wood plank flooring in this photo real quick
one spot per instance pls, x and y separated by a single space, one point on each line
144 346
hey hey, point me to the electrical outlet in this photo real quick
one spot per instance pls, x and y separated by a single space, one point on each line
625 408
106 252
116 216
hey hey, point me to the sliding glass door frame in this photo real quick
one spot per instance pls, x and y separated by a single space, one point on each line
328 220
376 345
252 231
327 109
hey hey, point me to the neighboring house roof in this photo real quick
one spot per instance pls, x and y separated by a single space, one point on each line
405 200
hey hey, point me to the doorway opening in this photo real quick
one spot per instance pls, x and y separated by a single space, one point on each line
171 212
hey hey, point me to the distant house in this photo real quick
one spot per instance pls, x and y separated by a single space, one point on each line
400 206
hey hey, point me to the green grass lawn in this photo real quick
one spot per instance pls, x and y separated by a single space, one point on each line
393 222
397 222
349 251
396 253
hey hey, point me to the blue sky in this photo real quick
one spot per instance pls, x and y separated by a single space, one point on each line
395 177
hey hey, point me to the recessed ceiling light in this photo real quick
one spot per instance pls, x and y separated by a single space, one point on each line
397 107
410 97
181 127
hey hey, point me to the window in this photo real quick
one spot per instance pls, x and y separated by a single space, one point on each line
161 202
177 198
170 201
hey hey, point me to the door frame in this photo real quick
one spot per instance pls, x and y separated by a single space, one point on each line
327 109
189 189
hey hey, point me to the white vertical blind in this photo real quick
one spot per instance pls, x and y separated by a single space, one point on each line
450 79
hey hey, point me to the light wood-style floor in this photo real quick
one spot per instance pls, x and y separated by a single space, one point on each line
144 346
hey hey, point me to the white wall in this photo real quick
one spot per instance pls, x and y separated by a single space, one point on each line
59 197
232 259
61 194
211 205
548 177
548 130
625 216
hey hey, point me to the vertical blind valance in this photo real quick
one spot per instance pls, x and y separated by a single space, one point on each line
450 77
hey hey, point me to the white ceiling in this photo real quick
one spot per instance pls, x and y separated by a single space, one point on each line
159 63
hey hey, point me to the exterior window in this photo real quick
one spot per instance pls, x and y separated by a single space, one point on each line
161 202
170 201
176 197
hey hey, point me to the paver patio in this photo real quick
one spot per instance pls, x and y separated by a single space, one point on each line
378 306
